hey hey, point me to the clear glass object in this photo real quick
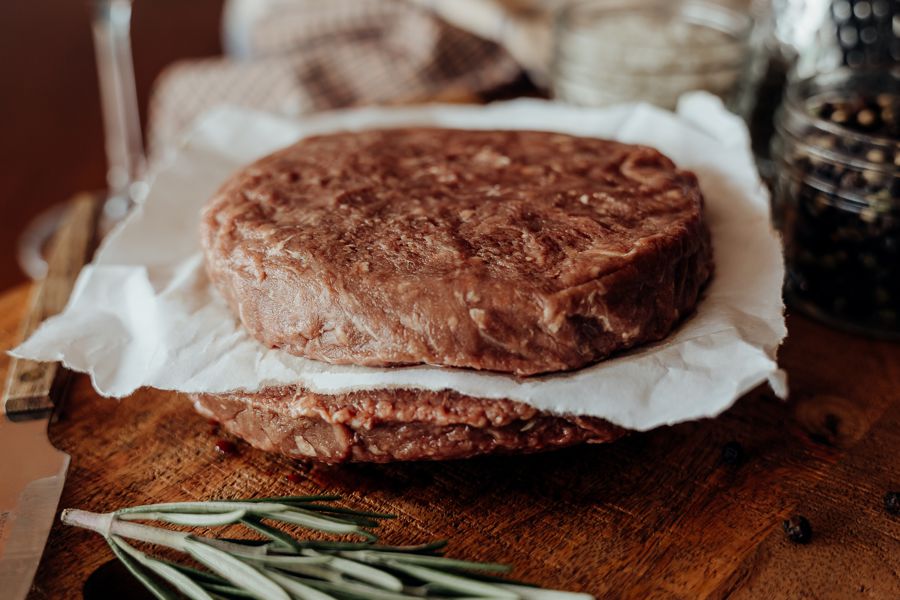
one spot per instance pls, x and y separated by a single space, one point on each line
612 51
805 37
111 21
121 119
837 198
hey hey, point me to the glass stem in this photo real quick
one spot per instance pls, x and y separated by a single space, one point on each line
121 119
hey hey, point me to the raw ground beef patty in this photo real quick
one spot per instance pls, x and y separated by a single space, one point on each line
513 251
389 425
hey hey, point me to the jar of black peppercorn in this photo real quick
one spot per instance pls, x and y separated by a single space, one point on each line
837 198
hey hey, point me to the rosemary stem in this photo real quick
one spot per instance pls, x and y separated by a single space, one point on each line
106 524
97 522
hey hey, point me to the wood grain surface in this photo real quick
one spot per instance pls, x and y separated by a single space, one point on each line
655 515
29 383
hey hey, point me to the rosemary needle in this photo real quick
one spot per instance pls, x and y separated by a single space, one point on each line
284 567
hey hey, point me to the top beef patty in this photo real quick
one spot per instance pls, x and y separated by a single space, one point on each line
514 251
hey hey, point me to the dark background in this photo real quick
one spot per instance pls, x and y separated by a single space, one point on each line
51 137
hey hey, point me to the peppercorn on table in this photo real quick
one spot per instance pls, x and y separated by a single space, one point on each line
690 511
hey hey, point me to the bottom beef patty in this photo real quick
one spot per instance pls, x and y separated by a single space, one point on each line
390 425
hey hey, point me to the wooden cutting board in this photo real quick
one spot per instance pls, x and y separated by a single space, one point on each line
655 515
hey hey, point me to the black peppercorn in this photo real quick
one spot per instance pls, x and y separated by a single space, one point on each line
892 503
732 453
797 529
865 118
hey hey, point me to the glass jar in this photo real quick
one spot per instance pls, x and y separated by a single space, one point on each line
806 38
612 51
837 197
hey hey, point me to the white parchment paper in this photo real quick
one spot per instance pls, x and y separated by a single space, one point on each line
144 314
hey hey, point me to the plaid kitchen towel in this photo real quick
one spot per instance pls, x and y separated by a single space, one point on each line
311 55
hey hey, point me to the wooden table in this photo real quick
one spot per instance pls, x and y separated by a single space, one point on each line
654 515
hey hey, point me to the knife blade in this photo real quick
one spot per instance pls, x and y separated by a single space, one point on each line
32 471
31 486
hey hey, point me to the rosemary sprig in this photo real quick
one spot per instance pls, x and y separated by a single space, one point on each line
283 567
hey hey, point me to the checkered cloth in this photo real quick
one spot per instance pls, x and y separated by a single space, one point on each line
312 55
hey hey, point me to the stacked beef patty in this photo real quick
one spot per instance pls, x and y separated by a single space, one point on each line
519 252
